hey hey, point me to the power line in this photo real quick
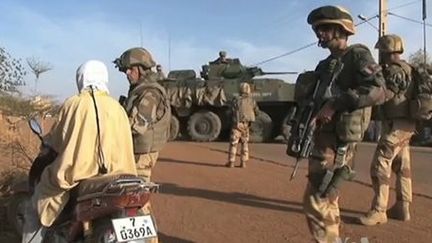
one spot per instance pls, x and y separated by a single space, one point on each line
364 21
362 17
287 53
403 5
305 46
409 19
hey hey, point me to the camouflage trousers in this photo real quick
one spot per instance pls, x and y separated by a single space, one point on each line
322 213
144 165
239 133
392 153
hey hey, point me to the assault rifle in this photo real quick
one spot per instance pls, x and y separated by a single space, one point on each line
300 143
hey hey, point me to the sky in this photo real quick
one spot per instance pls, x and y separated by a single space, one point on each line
181 34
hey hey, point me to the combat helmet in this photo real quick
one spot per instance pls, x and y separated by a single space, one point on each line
332 15
390 44
136 56
245 88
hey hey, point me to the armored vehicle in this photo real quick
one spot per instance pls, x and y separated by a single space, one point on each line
200 105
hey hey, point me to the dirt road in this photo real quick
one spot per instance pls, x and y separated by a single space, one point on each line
202 201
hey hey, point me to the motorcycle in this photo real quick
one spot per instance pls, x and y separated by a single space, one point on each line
102 209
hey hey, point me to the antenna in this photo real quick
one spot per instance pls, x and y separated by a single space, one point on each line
141 34
424 16
169 51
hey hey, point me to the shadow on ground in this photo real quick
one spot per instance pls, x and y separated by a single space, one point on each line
169 160
245 199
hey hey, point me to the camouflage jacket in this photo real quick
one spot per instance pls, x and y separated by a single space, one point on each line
359 84
149 115
353 83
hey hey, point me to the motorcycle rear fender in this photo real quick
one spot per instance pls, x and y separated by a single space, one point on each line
98 207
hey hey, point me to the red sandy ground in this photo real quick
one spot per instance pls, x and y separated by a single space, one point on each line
202 201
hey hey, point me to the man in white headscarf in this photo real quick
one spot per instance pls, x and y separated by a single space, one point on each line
75 139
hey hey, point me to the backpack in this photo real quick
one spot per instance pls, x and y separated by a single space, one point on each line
421 101
244 107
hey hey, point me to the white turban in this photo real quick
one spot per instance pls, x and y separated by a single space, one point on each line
92 73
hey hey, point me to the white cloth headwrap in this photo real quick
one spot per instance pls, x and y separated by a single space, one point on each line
92 73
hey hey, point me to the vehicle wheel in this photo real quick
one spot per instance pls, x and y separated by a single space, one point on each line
174 128
204 126
103 232
286 126
16 210
261 129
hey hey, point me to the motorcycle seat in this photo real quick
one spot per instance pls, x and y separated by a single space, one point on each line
100 184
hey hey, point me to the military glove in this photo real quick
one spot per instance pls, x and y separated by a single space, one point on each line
326 113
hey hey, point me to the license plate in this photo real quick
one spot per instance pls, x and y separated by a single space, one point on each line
134 228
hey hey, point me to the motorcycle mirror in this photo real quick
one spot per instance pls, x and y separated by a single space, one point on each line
35 127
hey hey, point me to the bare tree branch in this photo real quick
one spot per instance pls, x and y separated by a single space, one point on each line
38 67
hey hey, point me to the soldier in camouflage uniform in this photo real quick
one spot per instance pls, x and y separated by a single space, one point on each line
244 109
148 109
222 59
160 73
350 82
392 151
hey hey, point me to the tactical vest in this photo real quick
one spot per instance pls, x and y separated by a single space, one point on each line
244 109
350 126
157 133
399 105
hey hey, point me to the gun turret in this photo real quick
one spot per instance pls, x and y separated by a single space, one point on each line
234 70
256 71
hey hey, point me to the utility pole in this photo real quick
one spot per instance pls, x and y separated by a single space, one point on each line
383 17
383 20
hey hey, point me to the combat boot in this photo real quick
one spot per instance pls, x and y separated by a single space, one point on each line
400 210
243 165
230 164
373 218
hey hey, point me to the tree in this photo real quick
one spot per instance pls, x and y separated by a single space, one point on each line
38 67
417 59
12 72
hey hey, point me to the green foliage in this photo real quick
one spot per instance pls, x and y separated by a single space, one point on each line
12 72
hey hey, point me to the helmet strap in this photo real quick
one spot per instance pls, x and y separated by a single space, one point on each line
143 71
337 32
